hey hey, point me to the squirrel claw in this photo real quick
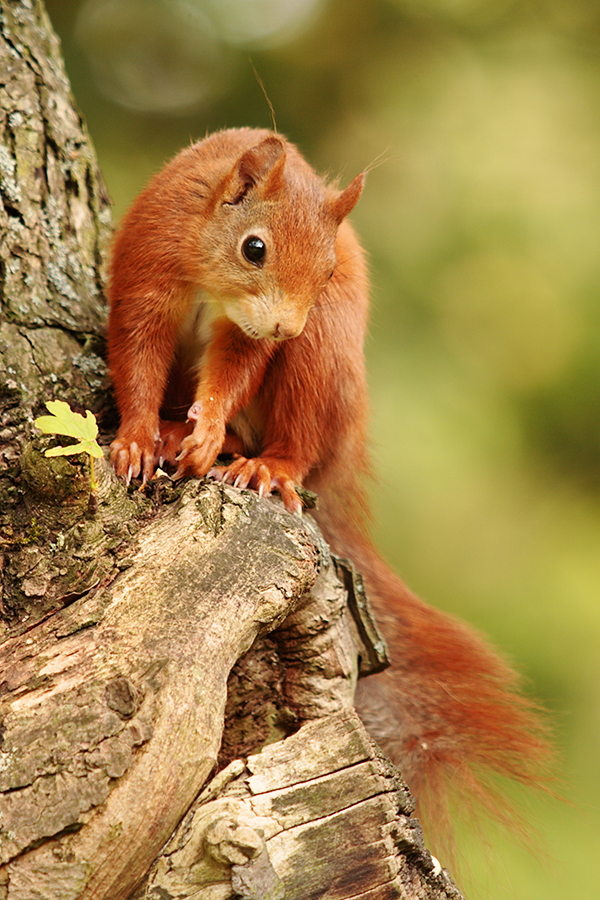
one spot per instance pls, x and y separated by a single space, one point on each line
264 475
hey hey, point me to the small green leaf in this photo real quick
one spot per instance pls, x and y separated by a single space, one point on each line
64 421
94 449
90 447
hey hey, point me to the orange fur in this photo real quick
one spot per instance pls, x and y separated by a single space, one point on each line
267 361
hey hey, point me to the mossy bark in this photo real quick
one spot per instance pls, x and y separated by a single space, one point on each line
54 229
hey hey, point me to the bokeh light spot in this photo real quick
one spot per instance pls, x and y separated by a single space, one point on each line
152 55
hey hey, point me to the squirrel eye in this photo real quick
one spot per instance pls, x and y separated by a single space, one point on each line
254 250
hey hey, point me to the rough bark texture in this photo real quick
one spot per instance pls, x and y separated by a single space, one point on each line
54 228
139 665
148 641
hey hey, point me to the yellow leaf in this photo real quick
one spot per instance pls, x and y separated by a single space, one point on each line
64 421
83 447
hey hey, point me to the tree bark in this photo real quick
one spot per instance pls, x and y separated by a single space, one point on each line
54 228
151 640
117 704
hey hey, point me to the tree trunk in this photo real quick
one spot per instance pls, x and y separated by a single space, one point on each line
149 641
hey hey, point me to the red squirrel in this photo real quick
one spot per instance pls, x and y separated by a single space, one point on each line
239 300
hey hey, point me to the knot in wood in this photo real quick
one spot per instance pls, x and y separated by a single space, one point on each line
231 842
122 697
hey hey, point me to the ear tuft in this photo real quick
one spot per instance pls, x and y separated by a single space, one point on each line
347 199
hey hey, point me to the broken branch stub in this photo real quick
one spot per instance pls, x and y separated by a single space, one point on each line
321 815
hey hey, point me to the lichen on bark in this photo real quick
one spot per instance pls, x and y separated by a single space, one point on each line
54 229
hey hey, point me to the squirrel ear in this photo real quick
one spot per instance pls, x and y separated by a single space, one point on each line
261 165
345 201
264 162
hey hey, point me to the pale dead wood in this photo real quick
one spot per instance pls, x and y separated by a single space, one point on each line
113 711
319 816
119 699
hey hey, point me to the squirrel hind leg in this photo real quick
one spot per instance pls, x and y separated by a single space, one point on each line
171 434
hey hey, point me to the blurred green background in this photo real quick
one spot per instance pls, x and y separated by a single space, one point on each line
482 224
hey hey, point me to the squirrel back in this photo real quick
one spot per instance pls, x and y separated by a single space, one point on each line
239 299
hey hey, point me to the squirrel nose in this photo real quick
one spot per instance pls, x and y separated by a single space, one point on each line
282 333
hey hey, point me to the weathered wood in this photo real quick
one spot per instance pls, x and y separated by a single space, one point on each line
113 708
321 815
159 640
306 668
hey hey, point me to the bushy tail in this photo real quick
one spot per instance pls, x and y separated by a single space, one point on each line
448 712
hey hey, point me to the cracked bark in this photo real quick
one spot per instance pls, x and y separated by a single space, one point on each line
149 642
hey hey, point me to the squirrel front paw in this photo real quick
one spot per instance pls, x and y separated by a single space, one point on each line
264 475
132 455
200 449
172 435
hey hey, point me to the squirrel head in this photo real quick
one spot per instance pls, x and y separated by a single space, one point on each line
268 241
